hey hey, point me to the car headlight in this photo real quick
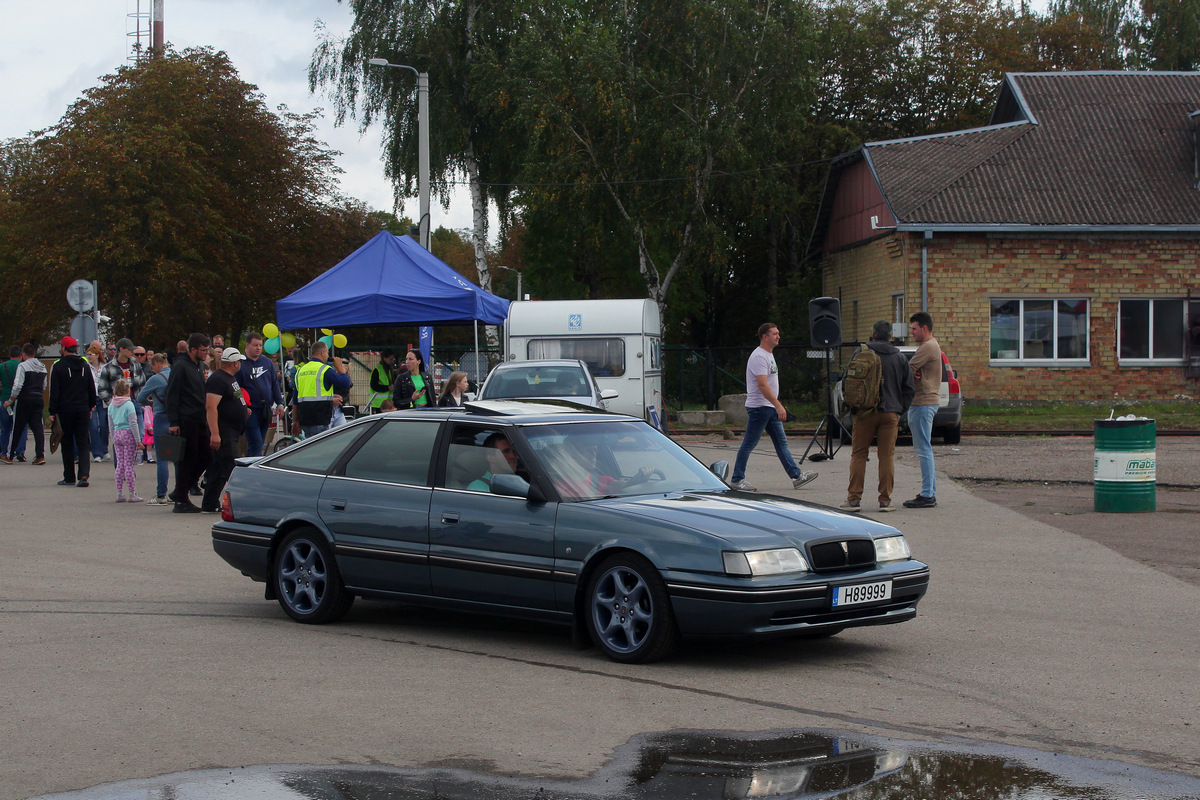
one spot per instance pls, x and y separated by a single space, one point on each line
893 548
765 562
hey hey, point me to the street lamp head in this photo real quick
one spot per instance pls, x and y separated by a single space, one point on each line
379 62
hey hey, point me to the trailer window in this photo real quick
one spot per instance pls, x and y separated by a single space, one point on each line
604 357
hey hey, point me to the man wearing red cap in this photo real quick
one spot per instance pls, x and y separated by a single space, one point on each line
72 398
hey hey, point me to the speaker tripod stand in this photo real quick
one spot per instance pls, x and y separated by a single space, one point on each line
829 424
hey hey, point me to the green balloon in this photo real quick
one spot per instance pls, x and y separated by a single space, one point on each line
328 340
271 345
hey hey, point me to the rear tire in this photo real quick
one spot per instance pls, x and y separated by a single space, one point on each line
952 435
306 579
629 614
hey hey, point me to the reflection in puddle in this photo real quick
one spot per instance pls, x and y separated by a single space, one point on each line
704 765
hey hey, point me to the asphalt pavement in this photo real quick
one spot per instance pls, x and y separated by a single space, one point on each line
130 650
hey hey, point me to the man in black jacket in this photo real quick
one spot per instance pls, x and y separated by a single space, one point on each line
185 401
883 422
72 398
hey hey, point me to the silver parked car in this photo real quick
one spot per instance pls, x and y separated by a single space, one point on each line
566 379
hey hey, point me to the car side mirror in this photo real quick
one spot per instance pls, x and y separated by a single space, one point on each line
510 486
609 394
720 469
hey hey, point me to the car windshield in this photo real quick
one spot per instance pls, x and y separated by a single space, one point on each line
539 381
590 460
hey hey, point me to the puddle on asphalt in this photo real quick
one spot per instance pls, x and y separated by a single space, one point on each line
704 765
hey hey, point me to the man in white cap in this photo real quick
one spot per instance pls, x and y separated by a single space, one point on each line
227 410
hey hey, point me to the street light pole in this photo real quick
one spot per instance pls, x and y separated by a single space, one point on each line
510 269
424 235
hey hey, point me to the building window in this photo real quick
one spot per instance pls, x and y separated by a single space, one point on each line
1053 331
1151 331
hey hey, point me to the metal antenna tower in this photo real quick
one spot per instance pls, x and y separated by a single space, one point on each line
145 30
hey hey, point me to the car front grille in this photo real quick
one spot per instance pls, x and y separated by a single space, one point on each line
846 554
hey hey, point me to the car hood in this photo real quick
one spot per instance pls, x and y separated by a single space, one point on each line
749 521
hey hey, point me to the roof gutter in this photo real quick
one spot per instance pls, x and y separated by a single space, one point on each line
931 228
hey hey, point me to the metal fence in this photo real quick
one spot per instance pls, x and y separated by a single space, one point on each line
698 377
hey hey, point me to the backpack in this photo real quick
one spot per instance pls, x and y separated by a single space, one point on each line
862 386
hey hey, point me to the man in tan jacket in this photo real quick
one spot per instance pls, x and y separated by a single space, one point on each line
926 365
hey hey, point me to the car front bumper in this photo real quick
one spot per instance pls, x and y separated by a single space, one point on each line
702 610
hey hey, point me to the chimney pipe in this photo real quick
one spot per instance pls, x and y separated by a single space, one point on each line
157 45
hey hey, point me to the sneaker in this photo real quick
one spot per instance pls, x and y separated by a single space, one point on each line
140 459
21 458
805 477
39 461
853 506
66 482
133 498
82 483
121 499
744 486
185 508
921 501
886 507
158 501
151 461
208 510
97 459
5 460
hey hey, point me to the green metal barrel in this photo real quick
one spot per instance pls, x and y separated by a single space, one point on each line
1125 465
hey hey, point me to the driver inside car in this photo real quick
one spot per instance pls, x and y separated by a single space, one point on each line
501 459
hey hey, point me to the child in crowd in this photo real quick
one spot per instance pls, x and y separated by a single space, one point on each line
122 423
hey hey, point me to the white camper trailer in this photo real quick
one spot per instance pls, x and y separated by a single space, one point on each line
619 340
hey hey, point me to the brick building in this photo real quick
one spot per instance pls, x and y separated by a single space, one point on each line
1058 248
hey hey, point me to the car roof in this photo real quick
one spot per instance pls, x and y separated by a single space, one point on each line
517 412
544 362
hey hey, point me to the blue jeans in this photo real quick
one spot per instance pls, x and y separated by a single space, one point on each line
257 426
161 428
98 428
6 430
920 423
313 430
764 418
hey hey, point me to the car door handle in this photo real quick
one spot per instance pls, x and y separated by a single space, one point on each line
338 504
450 517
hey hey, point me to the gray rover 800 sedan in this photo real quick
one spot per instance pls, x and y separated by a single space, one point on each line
587 519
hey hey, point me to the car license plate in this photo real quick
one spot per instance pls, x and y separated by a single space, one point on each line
862 593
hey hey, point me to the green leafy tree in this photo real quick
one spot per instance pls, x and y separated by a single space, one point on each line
467 137
645 107
192 204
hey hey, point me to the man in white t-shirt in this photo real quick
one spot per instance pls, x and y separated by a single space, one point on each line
765 412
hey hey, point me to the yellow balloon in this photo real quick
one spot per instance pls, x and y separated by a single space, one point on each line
288 339
339 341
326 331
270 330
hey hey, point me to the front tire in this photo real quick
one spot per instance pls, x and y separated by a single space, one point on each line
307 583
629 614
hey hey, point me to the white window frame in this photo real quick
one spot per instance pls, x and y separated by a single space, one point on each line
1153 362
1020 360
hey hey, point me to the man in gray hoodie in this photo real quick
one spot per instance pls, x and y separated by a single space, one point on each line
28 392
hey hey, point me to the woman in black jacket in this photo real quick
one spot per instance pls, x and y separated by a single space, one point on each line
413 388
452 391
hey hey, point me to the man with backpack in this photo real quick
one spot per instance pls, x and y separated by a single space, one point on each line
878 387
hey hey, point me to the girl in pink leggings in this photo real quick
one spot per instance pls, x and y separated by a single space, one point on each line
122 421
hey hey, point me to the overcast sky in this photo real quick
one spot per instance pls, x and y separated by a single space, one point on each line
53 50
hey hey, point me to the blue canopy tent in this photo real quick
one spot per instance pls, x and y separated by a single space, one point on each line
390 280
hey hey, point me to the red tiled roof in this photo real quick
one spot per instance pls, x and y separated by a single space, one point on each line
1067 149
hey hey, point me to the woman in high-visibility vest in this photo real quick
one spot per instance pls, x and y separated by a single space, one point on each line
413 389
381 379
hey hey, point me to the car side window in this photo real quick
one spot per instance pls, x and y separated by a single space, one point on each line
476 454
320 455
399 452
